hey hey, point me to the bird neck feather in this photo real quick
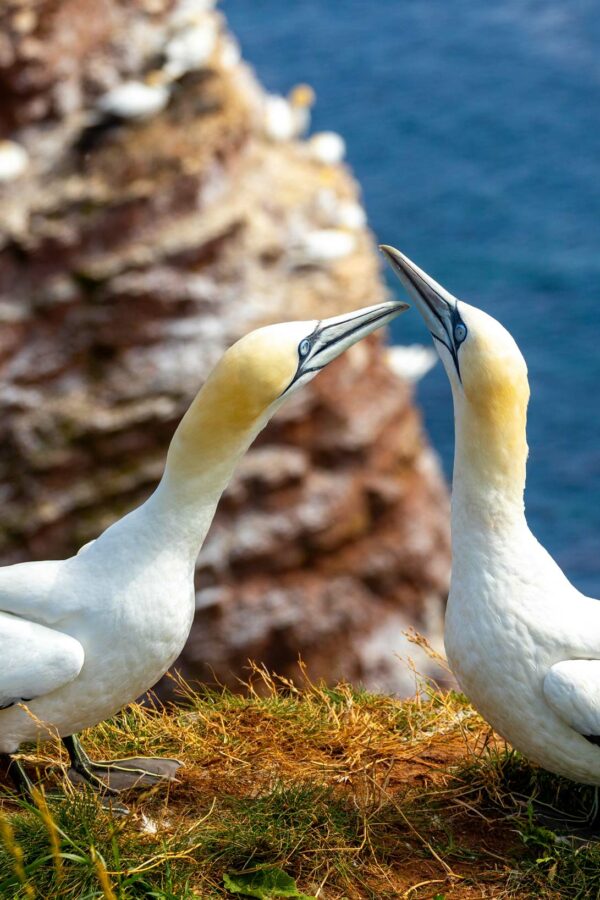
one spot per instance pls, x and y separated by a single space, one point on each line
491 453
215 432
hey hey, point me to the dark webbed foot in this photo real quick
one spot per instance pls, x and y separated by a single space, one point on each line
581 828
118 774
27 790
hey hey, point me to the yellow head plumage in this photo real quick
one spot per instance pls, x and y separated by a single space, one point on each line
487 373
251 376
302 96
256 375
491 393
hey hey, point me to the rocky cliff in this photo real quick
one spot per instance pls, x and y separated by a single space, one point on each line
155 203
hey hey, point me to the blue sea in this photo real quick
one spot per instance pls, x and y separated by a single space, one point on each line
474 129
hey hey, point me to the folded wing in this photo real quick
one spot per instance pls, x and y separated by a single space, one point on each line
35 660
39 591
572 689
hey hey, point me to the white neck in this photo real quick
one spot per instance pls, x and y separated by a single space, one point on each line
213 435
186 505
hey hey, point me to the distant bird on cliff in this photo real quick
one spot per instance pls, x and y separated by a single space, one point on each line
13 160
321 246
137 100
523 643
327 147
82 637
286 118
133 100
192 47
412 362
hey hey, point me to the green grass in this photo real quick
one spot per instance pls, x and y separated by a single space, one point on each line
351 794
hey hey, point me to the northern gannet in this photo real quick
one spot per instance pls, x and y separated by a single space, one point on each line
286 118
412 362
523 643
351 215
327 148
332 211
192 47
137 100
322 246
82 637
13 160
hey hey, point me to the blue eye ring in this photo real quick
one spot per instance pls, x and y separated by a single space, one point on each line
460 332
304 347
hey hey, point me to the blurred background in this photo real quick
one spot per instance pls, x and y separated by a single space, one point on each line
163 191
473 131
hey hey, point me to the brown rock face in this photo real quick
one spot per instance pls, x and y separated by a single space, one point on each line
133 250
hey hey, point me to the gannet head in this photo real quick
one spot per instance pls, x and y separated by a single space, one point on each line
302 96
255 376
481 358
486 369
270 363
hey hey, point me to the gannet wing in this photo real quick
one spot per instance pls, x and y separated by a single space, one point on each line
572 689
35 660
29 590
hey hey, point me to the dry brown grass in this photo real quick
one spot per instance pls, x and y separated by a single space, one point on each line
353 794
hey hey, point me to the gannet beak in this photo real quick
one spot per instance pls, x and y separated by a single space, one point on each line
333 336
435 304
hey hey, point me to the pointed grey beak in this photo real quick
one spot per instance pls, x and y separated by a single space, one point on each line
438 307
435 304
332 336
335 335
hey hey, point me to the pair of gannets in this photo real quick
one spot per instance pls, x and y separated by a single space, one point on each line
523 643
82 637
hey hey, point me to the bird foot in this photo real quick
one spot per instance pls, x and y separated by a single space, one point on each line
114 806
29 792
580 830
123 774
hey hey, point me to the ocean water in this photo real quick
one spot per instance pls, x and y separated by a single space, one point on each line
474 129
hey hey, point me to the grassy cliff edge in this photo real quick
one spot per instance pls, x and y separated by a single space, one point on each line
350 794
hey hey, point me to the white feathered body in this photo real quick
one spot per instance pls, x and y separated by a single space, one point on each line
117 616
512 615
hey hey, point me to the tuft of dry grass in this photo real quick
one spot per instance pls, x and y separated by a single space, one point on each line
353 794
